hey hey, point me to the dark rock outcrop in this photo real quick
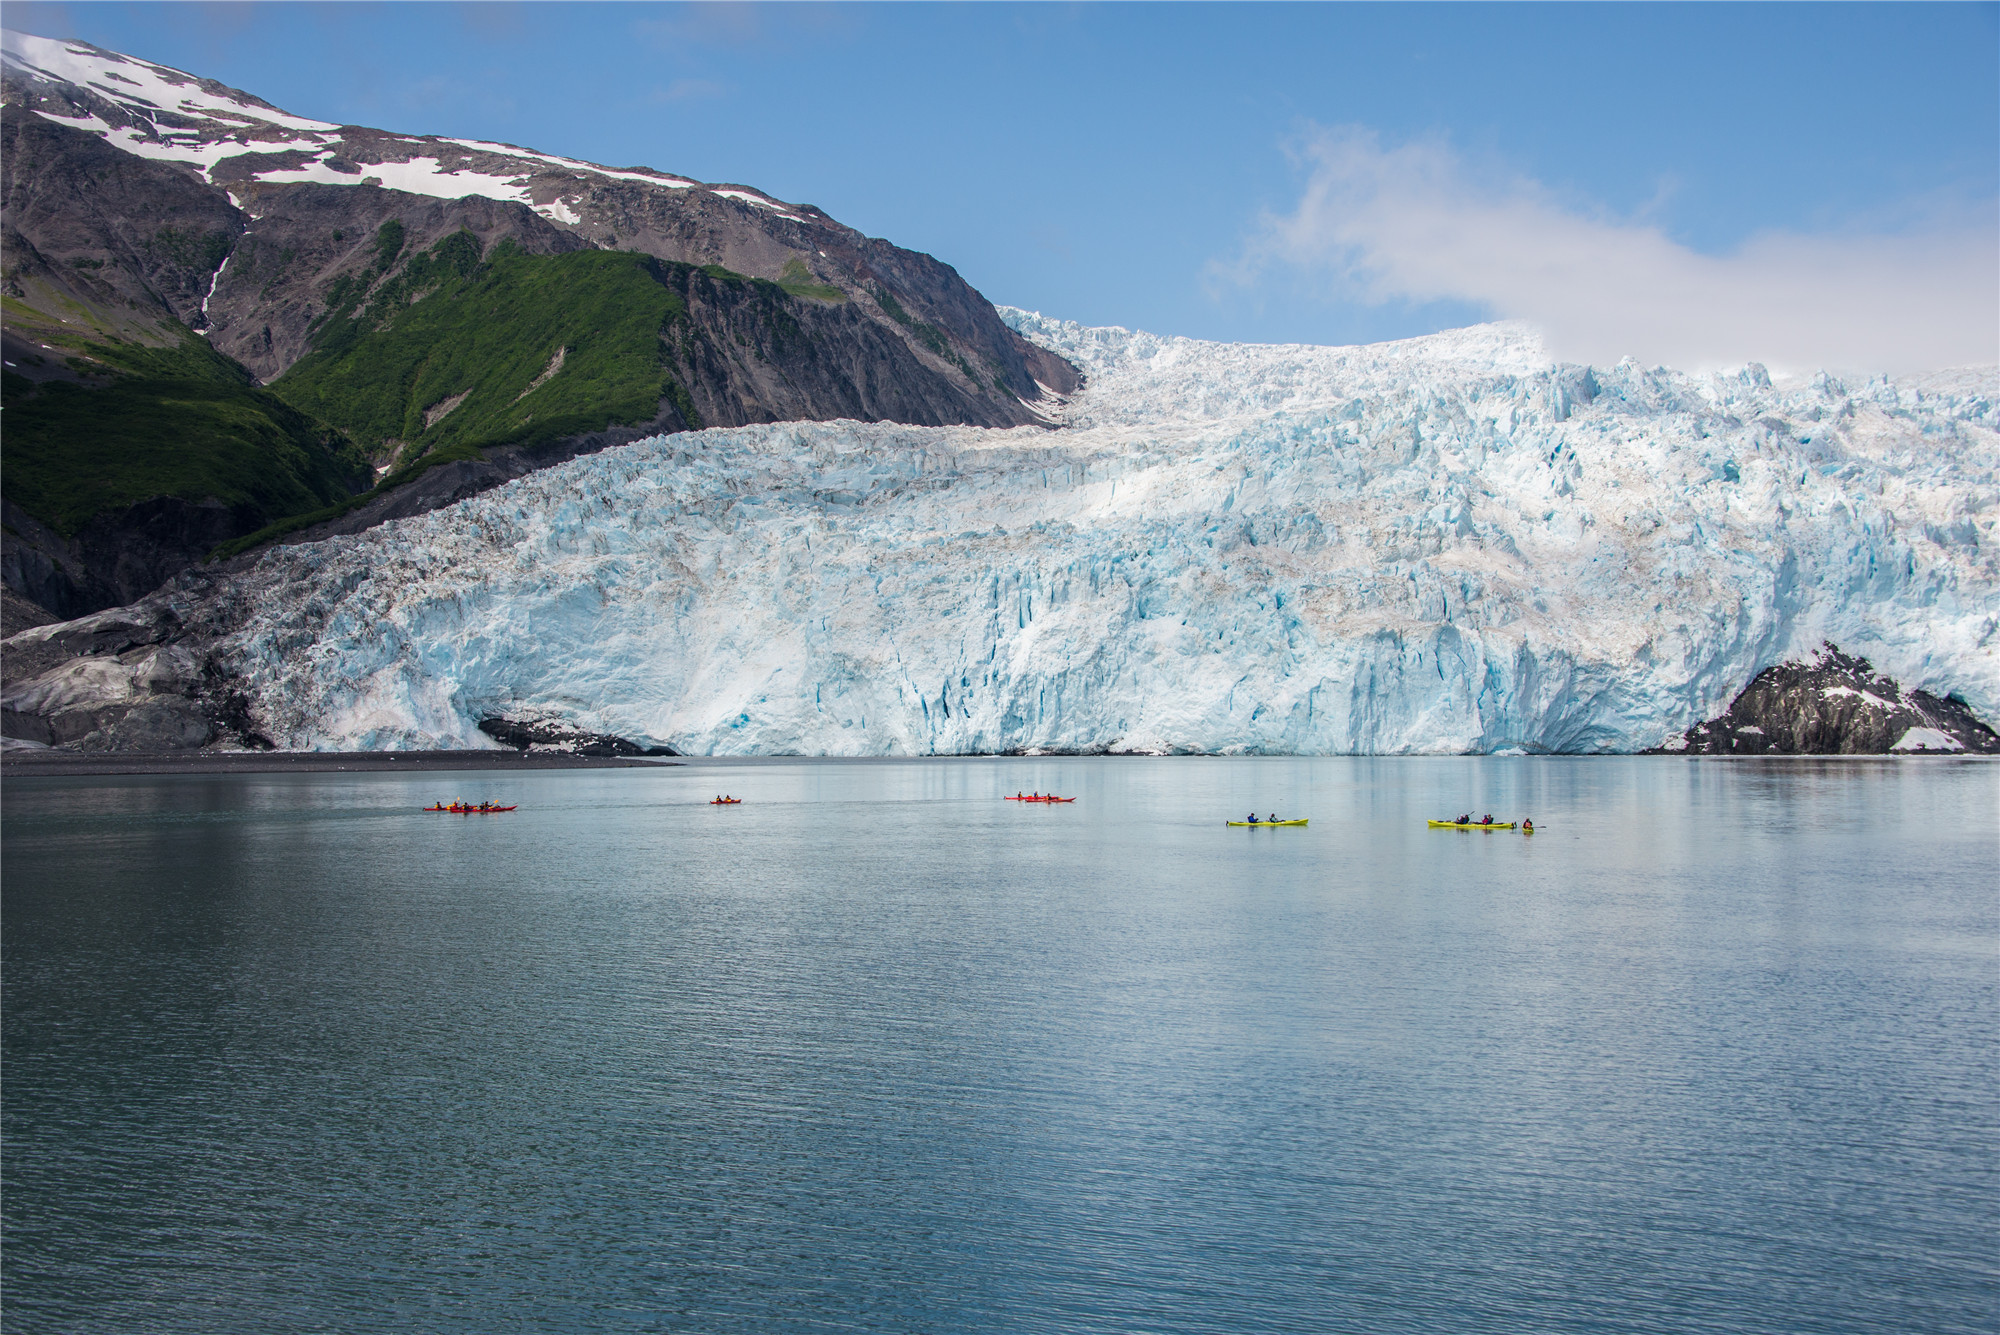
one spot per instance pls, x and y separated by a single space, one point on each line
19 614
130 679
552 735
116 557
1836 705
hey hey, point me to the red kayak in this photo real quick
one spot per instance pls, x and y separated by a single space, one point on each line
459 809
726 802
1039 799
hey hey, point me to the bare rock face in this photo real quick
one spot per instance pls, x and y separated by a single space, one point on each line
130 679
18 614
128 241
117 557
555 735
1836 705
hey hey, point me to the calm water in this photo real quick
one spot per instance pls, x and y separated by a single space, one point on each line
1716 1050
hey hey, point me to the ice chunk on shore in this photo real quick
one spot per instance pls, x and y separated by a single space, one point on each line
1927 739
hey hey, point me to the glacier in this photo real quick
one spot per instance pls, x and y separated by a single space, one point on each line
1449 544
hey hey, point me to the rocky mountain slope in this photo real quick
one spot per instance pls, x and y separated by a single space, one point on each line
146 206
1834 704
1450 544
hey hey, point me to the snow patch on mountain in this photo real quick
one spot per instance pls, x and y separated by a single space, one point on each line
418 176
166 146
644 175
144 87
174 116
1447 544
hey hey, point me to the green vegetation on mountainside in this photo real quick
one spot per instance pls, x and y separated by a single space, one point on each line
180 421
457 349
418 360
798 281
409 472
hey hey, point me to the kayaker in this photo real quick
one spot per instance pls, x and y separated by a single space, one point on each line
1466 819
1527 827
1487 819
1274 819
1250 819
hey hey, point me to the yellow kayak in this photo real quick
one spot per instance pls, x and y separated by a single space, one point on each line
1471 825
1263 823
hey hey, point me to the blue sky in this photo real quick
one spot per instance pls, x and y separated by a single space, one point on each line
1322 173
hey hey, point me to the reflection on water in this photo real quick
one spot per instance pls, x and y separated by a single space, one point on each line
1714 1050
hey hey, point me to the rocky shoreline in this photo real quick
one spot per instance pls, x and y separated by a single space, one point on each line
1835 705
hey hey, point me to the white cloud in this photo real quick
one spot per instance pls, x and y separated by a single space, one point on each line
1416 223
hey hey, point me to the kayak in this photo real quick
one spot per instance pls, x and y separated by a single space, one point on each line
458 810
1471 825
726 802
1039 799
1262 823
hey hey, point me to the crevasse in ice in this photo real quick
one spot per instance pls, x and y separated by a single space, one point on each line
1447 544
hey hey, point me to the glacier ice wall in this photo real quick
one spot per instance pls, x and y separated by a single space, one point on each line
1447 544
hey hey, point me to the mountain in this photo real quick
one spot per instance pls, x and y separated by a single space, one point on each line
1835 704
323 315
1444 545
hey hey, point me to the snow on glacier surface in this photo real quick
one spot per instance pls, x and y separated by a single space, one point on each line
1447 544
